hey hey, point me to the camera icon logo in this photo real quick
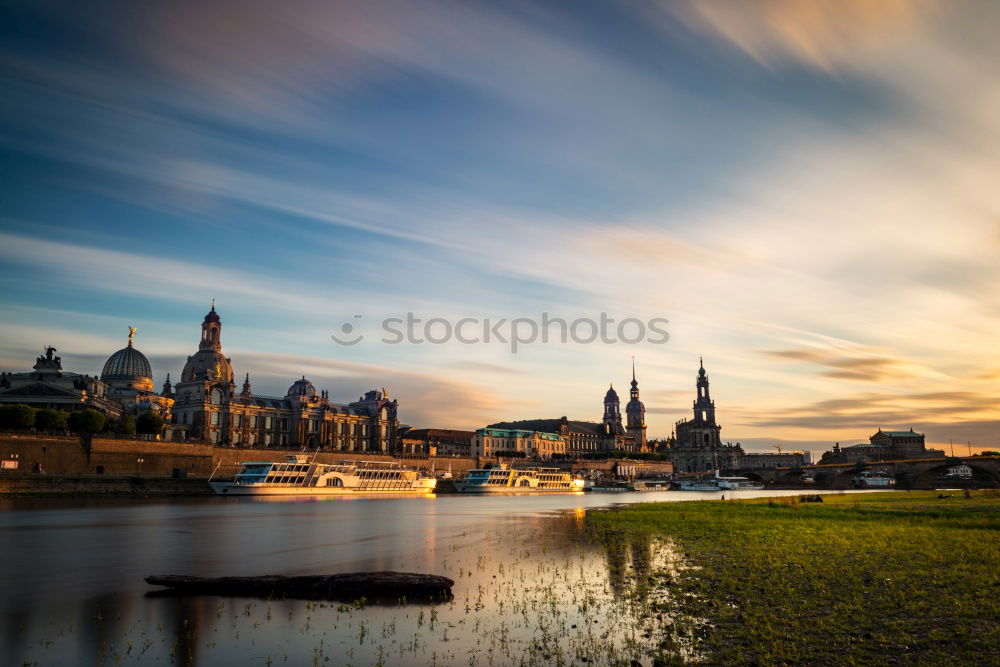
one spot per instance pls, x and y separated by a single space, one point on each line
347 336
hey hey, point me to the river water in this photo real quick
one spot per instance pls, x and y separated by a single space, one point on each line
530 587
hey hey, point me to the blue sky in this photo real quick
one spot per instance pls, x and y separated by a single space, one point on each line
806 190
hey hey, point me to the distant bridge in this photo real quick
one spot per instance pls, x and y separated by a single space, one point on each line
909 473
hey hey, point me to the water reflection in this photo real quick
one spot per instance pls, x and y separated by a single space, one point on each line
531 585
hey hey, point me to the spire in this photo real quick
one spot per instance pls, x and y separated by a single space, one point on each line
246 385
213 304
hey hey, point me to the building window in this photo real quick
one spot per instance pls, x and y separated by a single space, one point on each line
215 419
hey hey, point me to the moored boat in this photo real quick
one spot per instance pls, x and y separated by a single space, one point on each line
719 483
502 478
873 480
298 476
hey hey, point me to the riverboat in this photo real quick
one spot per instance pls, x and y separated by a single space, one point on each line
873 480
718 483
650 485
298 476
502 478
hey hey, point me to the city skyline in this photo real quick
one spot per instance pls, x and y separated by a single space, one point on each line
810 207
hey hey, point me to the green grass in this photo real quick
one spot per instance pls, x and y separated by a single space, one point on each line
880 578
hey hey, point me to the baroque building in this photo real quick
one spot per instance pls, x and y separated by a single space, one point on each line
208 408
47 385
698 446
124 388
510 442
635 414
607 435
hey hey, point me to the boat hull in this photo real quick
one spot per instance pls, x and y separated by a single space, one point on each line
526 490
230 489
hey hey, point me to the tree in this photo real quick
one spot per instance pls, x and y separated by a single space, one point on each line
6 415
124 426
86 421
50 420
149 423
22 417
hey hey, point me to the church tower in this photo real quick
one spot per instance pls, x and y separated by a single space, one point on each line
635 414
612 412
704 406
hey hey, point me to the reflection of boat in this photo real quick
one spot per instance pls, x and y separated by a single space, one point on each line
501 478
718 483
300 477
873 480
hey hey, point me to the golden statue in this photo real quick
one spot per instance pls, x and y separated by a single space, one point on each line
218 371
131 334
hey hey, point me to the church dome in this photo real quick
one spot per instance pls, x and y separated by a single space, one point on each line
207 365
612 395
302 387
128 366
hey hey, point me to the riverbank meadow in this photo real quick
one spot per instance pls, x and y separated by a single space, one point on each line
875 579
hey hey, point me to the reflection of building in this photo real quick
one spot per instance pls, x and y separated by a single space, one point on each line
435 441
698 446
48 386
883 446
505 442
210 409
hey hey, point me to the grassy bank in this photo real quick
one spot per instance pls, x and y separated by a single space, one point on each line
881 578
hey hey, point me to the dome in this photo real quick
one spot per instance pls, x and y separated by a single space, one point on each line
128 366
207 365
212 316
612 395
302 387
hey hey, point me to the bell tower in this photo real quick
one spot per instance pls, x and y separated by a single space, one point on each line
635 415
704 406
612 412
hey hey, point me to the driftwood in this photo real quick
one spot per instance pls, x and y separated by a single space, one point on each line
373 586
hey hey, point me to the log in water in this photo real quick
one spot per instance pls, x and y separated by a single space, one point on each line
375 586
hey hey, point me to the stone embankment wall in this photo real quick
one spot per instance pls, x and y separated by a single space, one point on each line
65 458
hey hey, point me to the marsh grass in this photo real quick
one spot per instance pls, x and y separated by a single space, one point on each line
876 578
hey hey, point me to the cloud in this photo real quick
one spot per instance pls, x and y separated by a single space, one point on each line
426 399
824 34
855 364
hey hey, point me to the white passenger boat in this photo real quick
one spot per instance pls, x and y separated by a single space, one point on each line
501 478
873 480
718 483
299 476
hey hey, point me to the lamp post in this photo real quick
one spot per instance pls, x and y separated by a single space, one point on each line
139 461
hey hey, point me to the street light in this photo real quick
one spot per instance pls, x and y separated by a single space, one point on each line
139 461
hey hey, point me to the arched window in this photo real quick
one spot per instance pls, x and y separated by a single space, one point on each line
215 397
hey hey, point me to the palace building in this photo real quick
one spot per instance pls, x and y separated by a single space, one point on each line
208 408
124 388
607 435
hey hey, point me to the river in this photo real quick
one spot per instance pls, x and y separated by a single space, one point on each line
529 588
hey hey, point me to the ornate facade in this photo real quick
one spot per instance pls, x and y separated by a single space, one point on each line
209 408
125 386
607 435
635 416
698 446
49 386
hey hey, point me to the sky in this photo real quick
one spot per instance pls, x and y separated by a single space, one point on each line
805 190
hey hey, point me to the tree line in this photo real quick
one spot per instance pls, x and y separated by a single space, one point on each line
24 418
